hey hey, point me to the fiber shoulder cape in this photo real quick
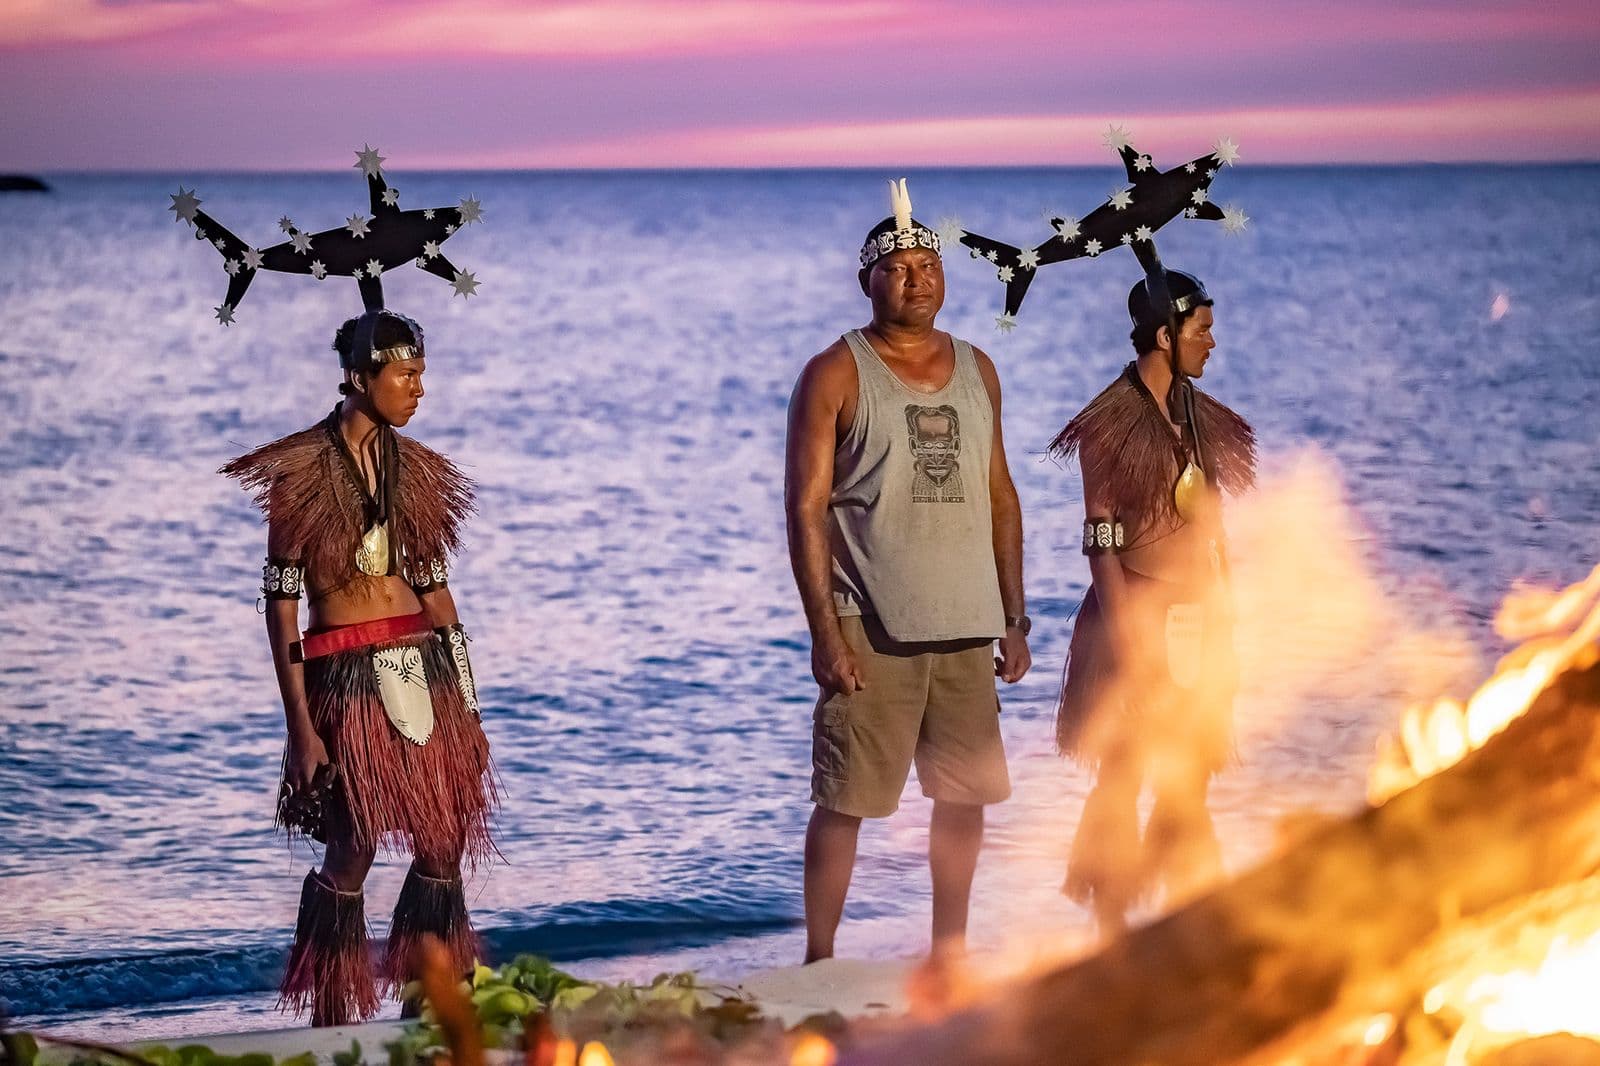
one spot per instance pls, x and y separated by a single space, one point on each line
306 492
1126 444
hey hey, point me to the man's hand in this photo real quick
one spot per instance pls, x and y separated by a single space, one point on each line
1015 659
307 755
834 666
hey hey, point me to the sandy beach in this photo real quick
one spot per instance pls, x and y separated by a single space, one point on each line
855 988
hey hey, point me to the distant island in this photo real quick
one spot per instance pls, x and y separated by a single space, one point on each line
22 183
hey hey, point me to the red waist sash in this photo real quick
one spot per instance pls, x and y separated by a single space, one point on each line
330 640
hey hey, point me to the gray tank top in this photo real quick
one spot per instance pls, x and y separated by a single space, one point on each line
913 537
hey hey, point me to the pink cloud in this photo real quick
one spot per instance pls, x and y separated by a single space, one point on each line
33 23
889 29
580 28
1556 125
249 83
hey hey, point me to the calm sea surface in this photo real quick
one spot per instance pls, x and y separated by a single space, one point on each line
618 389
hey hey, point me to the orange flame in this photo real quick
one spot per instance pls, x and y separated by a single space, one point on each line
812 1049
1437 735
1511 1003
595 1054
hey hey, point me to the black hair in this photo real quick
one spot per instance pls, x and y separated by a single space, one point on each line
1143 334
1146 323
387 332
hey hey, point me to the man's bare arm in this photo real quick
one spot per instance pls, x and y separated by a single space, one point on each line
1006 511
440 607
815 410
306 751
1105 570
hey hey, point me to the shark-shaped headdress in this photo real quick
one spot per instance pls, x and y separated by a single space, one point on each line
1131 215
363 248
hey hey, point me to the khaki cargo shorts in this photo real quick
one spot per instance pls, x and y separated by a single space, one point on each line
934 703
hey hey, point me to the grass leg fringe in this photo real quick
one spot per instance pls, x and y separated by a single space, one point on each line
330 969
428 906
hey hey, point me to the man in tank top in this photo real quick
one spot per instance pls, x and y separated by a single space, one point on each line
905 535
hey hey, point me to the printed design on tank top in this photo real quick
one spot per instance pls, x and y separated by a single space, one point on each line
935 434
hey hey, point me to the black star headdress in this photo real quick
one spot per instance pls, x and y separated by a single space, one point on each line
363 248
1131 216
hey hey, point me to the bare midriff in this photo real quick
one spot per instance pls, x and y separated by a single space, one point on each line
363 600
1179 553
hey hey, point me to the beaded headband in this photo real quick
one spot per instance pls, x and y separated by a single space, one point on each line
907 232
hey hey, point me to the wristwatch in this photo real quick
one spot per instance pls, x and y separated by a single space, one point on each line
1022 622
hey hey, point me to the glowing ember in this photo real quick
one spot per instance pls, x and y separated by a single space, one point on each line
1437 735
1510 1004
813 1050
1558 997
595 1054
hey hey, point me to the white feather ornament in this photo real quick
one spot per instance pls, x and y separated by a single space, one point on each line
900 204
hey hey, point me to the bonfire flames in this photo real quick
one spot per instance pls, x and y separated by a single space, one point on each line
1557 629
1554 987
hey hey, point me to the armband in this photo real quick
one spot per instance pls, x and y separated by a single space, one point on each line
1102 536
428 576
455 646
282 579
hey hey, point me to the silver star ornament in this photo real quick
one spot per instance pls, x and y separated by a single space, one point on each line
184 205
465 282
368 161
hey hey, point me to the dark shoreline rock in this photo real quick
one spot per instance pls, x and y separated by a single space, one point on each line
22 183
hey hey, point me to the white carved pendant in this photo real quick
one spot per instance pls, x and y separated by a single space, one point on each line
403 684
372 557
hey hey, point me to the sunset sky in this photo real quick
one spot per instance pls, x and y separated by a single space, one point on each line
252 84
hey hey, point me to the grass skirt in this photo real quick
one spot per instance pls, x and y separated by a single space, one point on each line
1108 710
433 799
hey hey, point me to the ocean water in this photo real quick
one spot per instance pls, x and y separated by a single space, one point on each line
618 388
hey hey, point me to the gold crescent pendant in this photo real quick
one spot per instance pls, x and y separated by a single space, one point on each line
372 557
1188 495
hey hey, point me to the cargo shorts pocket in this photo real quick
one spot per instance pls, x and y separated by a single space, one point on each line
830 736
